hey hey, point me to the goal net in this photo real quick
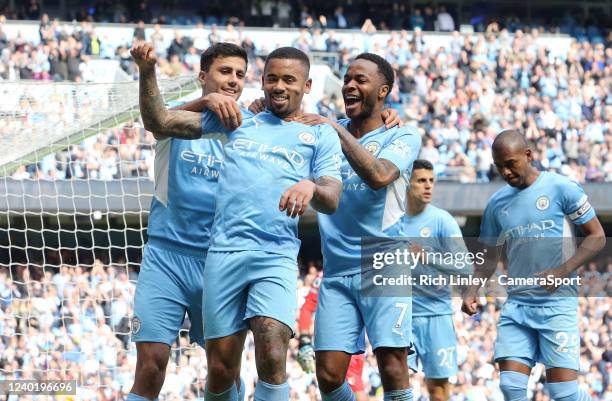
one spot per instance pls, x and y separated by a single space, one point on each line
76 184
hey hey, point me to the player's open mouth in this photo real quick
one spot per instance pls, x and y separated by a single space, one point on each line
351 101
229 92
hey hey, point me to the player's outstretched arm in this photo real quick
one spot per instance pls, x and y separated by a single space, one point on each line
376 173
225 107
155 116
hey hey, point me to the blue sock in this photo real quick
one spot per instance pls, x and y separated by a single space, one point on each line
398 395
513 385
271 392
567 391
342 393
231 394
242 391
134 397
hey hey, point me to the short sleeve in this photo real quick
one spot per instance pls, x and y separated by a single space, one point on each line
327 157
490 232
450 227
575 203
212 127
453 242
402 149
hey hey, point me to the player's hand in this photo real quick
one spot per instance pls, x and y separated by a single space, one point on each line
470 304
144 55
312 119
226 108
306 355
257 106
559 272
295 200
391 118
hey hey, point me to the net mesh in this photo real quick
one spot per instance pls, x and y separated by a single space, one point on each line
77 170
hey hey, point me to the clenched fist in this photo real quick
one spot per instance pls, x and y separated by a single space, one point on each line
144 55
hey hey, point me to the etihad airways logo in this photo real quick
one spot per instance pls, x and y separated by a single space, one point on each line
202 164
204 159
271 153
535 229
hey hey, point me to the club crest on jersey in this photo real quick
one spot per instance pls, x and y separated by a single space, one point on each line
542 203
307 138
425 232
135 325
372 147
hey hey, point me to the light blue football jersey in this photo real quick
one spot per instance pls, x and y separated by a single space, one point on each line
263 158
183 206
440 233
535 225
364 212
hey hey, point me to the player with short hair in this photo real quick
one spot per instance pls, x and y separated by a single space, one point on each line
182 210
251 272
531 218
433 332
375 169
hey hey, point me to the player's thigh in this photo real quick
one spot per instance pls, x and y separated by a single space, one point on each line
440 357
160 300
515 341
272 288
224 293
338 323
558 337
388 320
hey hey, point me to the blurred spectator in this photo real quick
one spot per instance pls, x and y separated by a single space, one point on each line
561 103
139 31
445 22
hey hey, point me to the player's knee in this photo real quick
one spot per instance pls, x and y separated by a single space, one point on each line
438 390
151 364
394 373
437 396
513 385
567 391
223 370
271 343
271 366
328 377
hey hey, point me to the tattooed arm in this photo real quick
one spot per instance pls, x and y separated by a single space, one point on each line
323 195
376 173
156 118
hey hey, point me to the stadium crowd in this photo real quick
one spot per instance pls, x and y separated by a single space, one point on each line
459 97
73 323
